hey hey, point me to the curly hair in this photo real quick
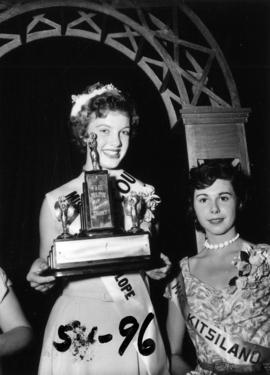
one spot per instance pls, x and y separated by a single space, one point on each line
100 104
207 173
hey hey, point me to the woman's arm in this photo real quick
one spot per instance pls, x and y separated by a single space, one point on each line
47 234
176 331
160 273
17 332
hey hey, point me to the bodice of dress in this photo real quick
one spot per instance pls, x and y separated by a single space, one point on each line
242 309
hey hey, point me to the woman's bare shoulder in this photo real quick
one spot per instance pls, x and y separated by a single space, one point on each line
69 186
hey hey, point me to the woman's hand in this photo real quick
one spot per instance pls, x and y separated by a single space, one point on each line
160 273
35 278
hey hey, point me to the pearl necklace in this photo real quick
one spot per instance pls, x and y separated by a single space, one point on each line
220 245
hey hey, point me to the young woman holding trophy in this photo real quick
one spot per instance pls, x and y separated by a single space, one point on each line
100 325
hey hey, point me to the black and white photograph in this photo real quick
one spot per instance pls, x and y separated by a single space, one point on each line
135 187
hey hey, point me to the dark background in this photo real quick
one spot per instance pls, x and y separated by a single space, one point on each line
36 154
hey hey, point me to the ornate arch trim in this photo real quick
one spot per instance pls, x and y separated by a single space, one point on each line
180 69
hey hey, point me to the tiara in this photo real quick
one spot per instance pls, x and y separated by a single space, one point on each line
82 99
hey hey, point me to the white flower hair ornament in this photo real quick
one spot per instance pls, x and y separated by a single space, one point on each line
82 99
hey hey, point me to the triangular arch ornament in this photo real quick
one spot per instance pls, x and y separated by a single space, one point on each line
179 62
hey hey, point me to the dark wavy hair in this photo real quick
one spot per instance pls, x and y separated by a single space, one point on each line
207 173
111 100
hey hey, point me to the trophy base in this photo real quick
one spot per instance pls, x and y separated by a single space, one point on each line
64 236
106 268
101 255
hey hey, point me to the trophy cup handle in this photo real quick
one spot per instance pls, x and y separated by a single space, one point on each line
133 206
64 212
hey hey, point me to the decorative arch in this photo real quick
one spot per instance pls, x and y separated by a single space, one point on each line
180 66
165 39
168 41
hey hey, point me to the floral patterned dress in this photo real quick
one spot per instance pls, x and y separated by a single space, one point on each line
230 327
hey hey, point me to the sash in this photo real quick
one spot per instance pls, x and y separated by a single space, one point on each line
231 348
138 303
131 297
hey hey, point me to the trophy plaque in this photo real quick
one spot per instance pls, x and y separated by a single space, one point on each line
96 203
100 248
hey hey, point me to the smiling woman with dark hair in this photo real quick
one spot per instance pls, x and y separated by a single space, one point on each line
97 325
208 173
222 294
111 100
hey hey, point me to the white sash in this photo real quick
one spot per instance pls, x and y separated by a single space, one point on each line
231 348
136 302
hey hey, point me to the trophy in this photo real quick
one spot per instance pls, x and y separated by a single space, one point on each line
101 247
